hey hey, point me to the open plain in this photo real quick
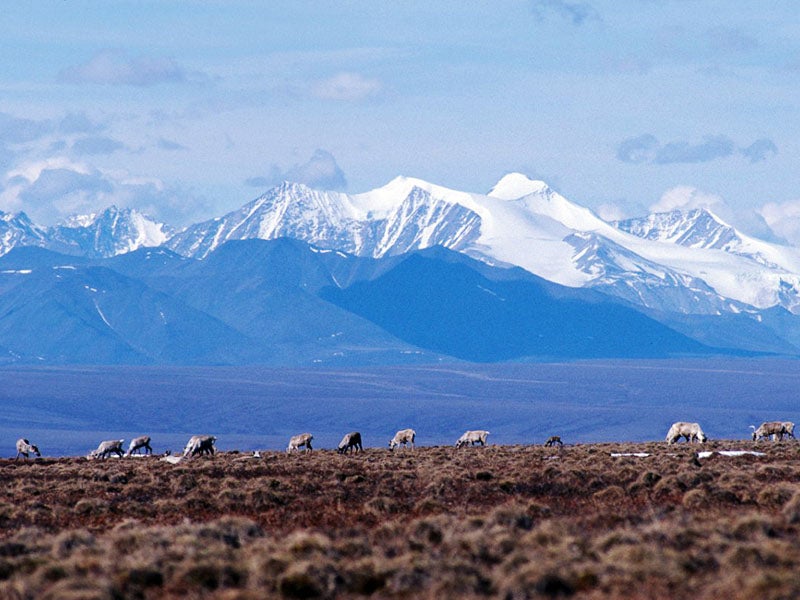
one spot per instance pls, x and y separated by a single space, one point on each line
500 521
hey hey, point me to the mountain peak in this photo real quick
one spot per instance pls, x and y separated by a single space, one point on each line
707 213
695 228
112 231
516 185
291 186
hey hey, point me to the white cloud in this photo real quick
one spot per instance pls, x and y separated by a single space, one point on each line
746 220
51 187
115 68
647 149
784 219
15 130
54 189
321 172
609 211
92 145
32 169
346 87
685 197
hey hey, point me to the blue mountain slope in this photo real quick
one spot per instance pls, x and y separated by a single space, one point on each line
146 262
94 315
32 257
268 291
773 333
451 308
42 318
283 302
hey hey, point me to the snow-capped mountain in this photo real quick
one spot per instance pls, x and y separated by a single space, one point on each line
689 262
109 233
18 230
699 228
766 274
354 224
623 273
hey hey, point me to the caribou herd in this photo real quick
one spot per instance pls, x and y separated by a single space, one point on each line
199 445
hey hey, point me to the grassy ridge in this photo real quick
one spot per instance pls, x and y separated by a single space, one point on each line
502 521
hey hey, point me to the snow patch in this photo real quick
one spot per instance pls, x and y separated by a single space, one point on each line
516 185
102 316
706 454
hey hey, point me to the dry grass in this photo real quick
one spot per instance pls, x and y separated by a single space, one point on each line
507 522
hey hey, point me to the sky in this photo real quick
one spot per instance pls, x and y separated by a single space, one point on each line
189 109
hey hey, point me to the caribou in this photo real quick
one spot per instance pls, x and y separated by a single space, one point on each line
350 441
691 431
404 436
472 437
137 443
107 448
25 448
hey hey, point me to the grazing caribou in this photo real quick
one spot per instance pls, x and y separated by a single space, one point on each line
350 441
199 445
107 448
472 437
774 429
25 448
137 443
300 440
404 436
691 431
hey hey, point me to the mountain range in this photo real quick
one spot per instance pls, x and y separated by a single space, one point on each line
410 271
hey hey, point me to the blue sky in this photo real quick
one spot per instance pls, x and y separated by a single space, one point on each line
189 109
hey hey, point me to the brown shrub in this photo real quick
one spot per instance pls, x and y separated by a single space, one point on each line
696 498
365 577
66 543
305 579
752 526
668 486
135 582
791 509
776 494
610 496
79 588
